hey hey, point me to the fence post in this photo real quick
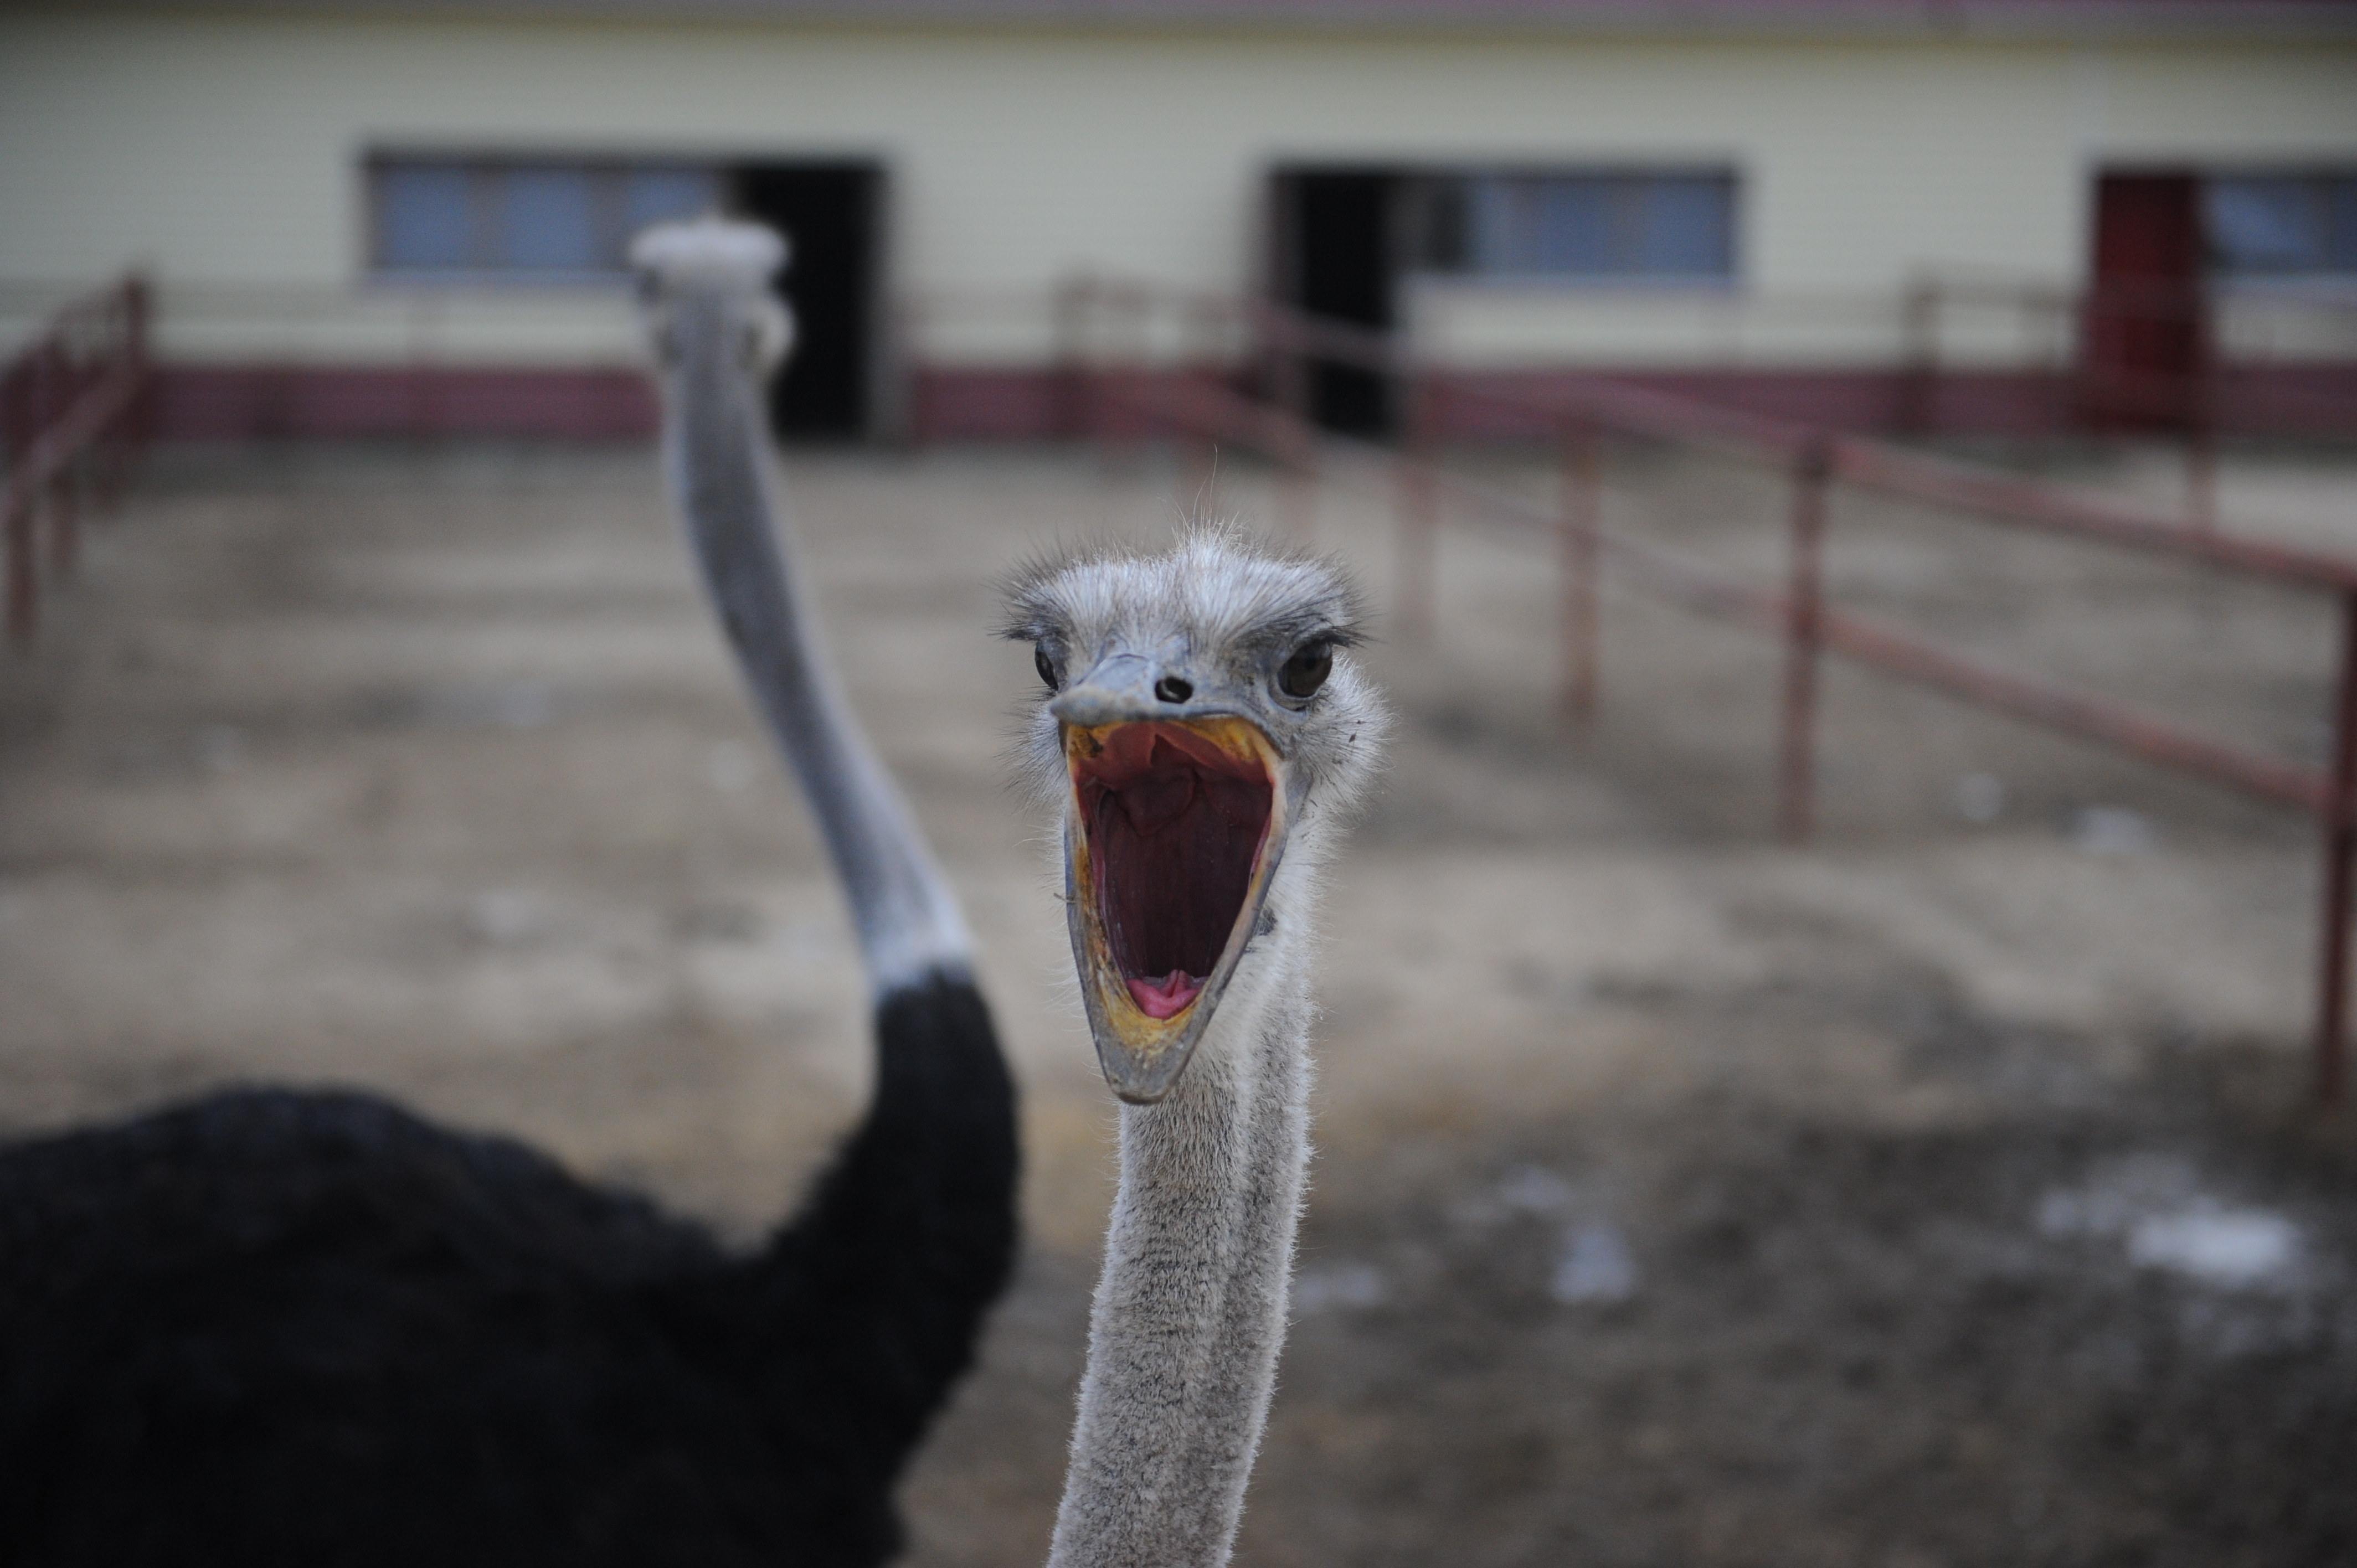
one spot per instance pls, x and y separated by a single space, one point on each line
914 421
49 402
23 606
24 587
16 417
2061 373
138 347
1418 510
1583 514
19 392
1289 364
1301 488
2202 464
66 494
1209 334
110 453
1200 378
1920 326
1103 306
2339 845
1075 414
1198 445
1804 612
1125 416
65 516
93 349
1289 367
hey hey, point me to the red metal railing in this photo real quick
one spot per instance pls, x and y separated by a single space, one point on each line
1580 414
2223 379
71 407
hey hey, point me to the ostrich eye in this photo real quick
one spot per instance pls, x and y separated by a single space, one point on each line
1307 669
1044 665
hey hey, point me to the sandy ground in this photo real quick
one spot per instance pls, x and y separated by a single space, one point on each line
1941 1193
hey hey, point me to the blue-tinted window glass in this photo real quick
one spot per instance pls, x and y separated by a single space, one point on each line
1599 226
549 221
1567 227
2264 225
1488 237
424 218
658 195
525 218
2341 224
1688 229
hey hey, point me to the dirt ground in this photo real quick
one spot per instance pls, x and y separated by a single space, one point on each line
1941 1193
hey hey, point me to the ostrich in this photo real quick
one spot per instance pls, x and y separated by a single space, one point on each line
1204 736
273 1326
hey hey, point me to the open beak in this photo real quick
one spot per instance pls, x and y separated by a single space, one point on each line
1176 831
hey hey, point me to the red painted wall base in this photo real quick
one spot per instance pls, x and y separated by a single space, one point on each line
244 402
234 403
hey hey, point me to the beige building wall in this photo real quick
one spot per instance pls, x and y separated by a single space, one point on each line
224 153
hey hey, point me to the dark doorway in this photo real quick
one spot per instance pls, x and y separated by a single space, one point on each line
2144 333
1335 253
831 214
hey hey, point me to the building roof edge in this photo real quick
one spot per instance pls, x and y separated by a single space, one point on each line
1916 20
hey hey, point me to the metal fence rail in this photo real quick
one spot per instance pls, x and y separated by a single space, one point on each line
71 407
2220 331
1205 405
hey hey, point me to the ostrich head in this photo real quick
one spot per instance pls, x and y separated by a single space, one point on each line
1206 733
704 286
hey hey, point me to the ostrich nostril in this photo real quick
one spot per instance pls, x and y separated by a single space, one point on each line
1171 689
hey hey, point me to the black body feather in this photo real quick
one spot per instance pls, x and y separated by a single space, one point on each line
273 1326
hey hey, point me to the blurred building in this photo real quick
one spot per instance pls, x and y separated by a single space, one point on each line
366 215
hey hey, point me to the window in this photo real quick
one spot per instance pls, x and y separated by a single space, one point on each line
2281 225
1601 227
521 219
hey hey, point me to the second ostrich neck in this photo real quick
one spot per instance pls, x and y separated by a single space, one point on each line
1191 1310
908 922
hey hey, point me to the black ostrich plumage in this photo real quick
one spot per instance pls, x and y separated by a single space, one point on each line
275 1327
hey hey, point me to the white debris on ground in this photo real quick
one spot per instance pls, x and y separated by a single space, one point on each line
2117 1193
1321 1287
2155 1205
1593 1262
1597 1269
1524 1192
2238 1249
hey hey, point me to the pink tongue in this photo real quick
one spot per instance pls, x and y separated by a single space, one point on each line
1166 997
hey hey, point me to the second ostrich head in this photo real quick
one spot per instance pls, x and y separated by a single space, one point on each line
1207 733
